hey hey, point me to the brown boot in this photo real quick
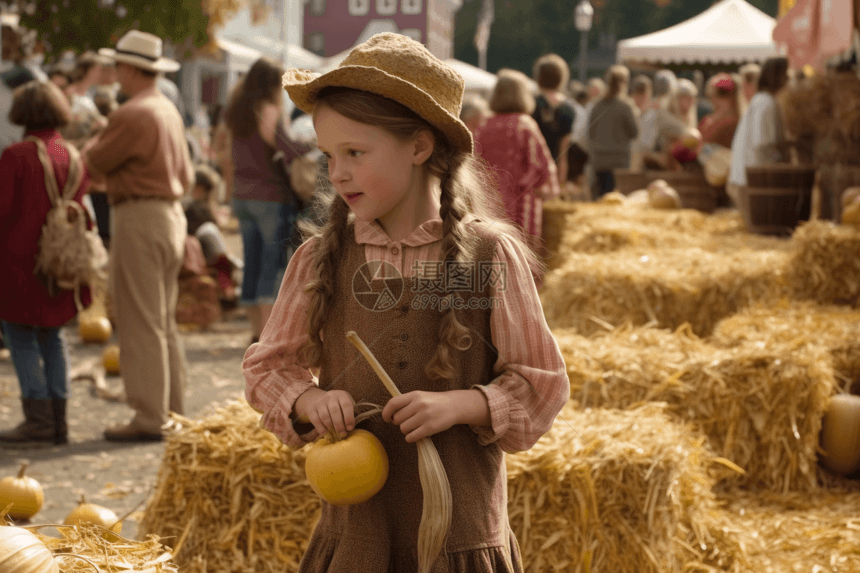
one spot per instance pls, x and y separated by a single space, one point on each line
61 428
38 424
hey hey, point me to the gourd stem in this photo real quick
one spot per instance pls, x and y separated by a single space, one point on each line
23 470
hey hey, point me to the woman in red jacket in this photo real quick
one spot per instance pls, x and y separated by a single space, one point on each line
31 317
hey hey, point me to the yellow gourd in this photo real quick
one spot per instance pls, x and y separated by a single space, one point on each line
24 493
23 552
96 514
95 329
840 434
851 213
347 471
110 359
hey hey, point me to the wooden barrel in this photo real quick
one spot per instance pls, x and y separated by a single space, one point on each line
774 210
781 175
628 181
692 188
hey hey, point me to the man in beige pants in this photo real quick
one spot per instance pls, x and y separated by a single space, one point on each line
144 155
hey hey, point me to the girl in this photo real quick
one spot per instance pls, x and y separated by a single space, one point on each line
417 258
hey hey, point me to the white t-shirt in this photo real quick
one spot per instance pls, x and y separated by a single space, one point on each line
760 126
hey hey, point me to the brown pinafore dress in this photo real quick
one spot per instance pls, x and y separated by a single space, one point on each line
381 535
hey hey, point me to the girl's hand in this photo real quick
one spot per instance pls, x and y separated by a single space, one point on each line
329 411
421 414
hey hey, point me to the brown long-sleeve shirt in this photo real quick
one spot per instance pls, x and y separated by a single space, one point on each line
143 151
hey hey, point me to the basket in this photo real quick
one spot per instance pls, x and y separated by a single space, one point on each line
774 210
783 175
692 188
627 181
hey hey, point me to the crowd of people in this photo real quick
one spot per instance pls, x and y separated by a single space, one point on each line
658 121
159 191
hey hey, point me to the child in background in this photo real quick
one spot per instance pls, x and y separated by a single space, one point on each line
448 307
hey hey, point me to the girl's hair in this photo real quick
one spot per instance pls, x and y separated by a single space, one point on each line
40 105
642 84
750 73
617 80
473 105
725 86
685 88
774 75
511 93
261 84
551 72
466 188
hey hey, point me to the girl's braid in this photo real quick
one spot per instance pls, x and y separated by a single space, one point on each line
321 290
455 248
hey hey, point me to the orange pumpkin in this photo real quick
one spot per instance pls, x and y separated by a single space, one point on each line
95 329
347 471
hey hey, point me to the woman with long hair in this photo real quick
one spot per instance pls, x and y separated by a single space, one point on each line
262 201
612 130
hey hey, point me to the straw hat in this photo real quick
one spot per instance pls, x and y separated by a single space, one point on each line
142 50
399 68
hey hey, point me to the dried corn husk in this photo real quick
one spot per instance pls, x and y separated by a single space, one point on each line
798 324
609 490
823 264
437 501
666 287
761 408
231 497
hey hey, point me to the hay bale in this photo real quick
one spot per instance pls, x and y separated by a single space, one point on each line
667 288
824 265
761 408
610 491
83 549
773 533
798 324
232 497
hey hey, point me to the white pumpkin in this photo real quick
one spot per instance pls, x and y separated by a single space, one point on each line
23 552
840 434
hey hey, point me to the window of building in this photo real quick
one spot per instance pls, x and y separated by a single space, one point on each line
411 7
359 7
317 7
386 7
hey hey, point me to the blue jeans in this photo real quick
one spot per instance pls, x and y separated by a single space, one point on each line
40 357
267 234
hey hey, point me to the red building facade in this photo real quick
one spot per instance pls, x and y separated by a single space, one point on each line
334 26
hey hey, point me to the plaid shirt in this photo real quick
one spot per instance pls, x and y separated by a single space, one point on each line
528 352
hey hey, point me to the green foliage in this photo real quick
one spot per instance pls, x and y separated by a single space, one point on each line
92 24
523 30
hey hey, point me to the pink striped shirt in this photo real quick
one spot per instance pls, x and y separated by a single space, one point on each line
524 399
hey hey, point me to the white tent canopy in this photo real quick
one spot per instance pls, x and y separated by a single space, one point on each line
728 31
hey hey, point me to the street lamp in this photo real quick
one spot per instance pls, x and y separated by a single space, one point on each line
584 15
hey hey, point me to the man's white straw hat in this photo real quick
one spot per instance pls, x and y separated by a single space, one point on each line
142 50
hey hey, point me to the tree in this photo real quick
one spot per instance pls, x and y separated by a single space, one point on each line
81 25
523 30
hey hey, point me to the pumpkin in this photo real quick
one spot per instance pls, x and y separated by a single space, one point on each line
24 493
23 552
95 329
347 471
840 434
664 198
110 359
851 213
850 195
95 514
